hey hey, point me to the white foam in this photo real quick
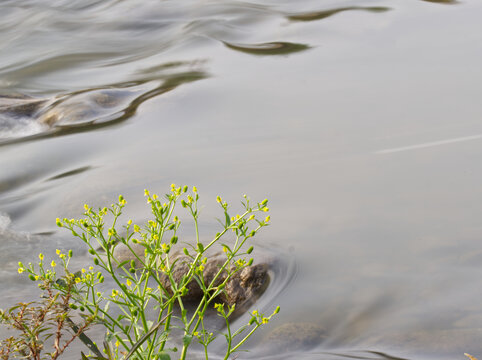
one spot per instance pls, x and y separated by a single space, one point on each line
4 222
21 129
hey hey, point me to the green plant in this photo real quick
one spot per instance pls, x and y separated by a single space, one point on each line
140 310
38 322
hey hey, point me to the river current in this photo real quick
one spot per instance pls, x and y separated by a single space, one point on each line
360 120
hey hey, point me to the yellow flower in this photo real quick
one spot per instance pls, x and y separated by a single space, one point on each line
146 192
137 228
251 217
201 268
91 268
266 209
41 256
21 270
77 280
267 219
129 222
83 270
57 252
194 189
155 197
115 292
255 313
164 247
218 199
128 282
53 264
86 207
265 320
195 333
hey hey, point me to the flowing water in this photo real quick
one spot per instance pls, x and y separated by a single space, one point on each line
358 119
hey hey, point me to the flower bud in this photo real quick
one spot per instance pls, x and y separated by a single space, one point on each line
250 250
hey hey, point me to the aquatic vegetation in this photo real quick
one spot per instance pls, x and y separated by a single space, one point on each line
141 313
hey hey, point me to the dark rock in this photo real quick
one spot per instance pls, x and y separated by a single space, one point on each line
242 289
246 285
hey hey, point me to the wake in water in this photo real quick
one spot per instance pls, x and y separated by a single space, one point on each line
25 117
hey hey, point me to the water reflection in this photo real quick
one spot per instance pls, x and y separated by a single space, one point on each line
448 2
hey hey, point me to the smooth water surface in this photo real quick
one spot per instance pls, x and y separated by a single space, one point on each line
359 120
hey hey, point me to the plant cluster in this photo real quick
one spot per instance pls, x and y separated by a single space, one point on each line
137 308
48 319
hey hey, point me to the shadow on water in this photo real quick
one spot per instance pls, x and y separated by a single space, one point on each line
323 14
269 48
70 173
26 119
446 2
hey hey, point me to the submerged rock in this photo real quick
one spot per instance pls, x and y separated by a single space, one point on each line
294 337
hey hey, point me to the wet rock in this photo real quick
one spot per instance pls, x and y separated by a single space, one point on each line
246 285
294 337
19 105
123 253
242 289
